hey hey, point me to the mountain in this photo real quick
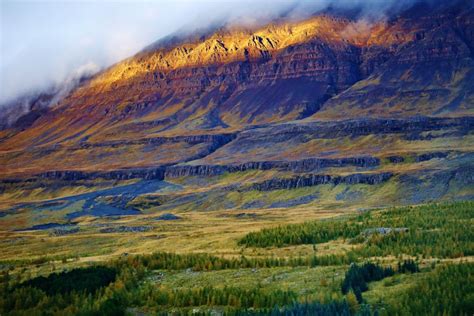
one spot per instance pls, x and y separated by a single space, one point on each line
331 99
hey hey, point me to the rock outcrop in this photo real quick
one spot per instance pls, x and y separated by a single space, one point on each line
71 175
429 156
317 179
216 140
305 165
410 128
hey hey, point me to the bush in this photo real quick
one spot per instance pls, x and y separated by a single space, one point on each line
86 280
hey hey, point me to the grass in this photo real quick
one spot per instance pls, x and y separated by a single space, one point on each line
315 284
383 291
216 233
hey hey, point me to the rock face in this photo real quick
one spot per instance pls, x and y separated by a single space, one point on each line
305 165
168 217
316 179
429 156
162 173
442 50
147 174
64 231
126 229
114 159
295 141
217 141
221 153
396 159
411 128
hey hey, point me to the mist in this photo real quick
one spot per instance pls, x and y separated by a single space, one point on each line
45 43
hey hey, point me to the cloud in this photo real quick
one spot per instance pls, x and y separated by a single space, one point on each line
63 88
48 97
359 29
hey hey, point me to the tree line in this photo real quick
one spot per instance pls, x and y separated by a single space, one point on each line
434 230
206 262
212 296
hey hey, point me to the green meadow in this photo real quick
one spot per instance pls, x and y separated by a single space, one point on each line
381 262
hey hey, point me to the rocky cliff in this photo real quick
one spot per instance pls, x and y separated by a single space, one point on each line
317 179
305 165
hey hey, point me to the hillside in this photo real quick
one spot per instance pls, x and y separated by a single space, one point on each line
326 67
316 166
329 100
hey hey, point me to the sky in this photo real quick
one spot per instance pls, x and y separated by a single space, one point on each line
44 42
